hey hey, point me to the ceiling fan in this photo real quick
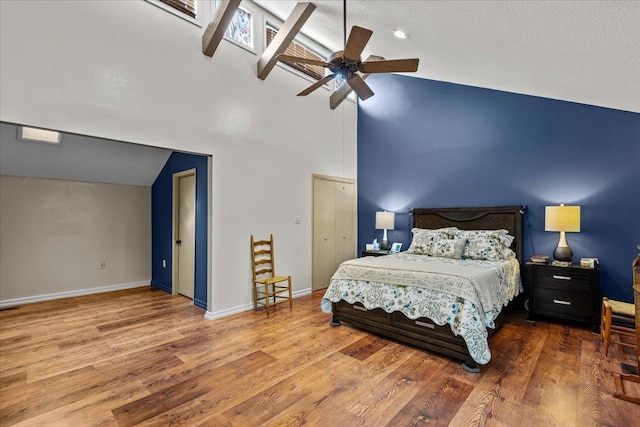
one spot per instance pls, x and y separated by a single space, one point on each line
347 62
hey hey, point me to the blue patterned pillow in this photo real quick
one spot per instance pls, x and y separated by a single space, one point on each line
449 248
491 245
423 240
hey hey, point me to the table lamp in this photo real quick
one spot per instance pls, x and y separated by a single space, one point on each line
385 221
563 219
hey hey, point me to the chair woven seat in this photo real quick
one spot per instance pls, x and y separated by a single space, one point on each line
621 308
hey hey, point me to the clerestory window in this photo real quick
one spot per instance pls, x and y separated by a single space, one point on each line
296 48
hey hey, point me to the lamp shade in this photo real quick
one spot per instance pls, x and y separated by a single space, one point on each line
385 220
562 218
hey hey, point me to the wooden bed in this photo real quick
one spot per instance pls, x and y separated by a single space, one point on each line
422 332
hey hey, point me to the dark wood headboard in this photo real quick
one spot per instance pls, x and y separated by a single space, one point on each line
474 218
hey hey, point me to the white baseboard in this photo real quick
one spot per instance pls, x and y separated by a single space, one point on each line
212 315
80 292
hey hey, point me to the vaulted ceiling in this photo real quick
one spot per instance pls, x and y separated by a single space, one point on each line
581 51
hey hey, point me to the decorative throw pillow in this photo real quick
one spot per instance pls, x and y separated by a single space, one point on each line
483 248
423 240
449 248
486 244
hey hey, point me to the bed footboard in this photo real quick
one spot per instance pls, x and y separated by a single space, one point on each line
420 332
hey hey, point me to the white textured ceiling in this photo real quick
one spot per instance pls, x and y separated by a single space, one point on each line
580 51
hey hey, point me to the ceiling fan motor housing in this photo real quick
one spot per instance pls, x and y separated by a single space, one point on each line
341 65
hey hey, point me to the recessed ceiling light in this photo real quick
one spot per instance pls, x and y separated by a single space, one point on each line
39 135
400 34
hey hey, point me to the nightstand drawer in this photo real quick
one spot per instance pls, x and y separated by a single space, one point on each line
562 283
563 276
566 303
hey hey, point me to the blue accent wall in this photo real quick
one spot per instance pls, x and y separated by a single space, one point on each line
161 224
425 143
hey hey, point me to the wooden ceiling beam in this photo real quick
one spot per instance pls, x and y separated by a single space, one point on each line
345 90
214 32
285 35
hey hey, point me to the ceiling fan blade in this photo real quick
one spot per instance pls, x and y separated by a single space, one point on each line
299 60
391 66
358 38
360 87
317 84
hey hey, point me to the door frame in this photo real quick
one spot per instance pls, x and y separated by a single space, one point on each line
175 201
355 219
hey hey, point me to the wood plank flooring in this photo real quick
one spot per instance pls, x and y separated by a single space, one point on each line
143 357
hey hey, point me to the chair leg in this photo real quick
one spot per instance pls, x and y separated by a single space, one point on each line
266 297
605 329
290 295
255 296
620 392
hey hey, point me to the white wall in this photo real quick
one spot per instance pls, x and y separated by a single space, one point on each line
129 71
55 234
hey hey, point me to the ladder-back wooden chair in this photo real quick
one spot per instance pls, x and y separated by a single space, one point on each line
268 289
620 379
619 317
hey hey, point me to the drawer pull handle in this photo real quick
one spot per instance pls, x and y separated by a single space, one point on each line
425 324
561 277
358 307
559 301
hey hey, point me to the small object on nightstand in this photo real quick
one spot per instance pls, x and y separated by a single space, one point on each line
561 263
540 258
588 262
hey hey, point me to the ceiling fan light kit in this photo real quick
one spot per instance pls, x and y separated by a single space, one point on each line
348 64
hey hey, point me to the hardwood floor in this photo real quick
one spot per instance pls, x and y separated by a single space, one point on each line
143 357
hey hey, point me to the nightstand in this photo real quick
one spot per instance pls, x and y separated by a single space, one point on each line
375 253
570 293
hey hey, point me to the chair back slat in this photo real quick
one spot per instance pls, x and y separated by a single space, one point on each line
262 258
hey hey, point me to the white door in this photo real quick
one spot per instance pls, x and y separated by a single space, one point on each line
345 222
186 235
324 229
334 227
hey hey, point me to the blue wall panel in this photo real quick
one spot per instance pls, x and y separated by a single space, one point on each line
424 143
161 224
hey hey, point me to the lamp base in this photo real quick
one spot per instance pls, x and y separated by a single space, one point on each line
384 245
563 253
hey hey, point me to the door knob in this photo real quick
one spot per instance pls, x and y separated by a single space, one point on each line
178 242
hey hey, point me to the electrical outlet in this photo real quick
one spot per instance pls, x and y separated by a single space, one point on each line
297 220
164 263
102 265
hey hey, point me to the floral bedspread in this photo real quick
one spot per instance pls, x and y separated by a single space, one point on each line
432 287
